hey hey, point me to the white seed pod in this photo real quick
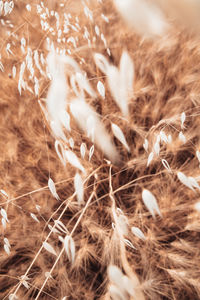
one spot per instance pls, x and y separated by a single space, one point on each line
7 249
156 147
3 221
137 232
83 150
101 89
6 241
184 180
38 207
69 247
183 117
146 145
193 182
14 71
151 203
49 248
128 243
166 165
25 284
1 65
97 30
79 188
101 62
52 188
59 224
48 275
13 297
71 143
120 136
4 193
60 154
197 206
36 86
33 216
182 137
169 138
4 214
198 155
61 239
73 160
102 15
52 229
91 152
150 158
163 137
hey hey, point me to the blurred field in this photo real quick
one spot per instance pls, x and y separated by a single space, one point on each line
163 261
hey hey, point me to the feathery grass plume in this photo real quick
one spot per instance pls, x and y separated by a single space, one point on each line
120 80
73 160
68 71
57 94
115 275
118 287
81 111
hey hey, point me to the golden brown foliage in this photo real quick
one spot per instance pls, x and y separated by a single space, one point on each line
164 264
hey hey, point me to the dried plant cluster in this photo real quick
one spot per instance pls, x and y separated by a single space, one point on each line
100 150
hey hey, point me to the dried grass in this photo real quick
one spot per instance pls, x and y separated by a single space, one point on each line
100 143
